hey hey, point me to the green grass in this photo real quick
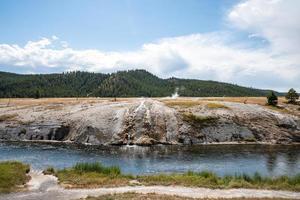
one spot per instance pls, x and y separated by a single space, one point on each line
211 180
91 175
97 167
87 175
12 175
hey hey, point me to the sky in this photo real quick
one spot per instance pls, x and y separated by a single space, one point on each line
254 43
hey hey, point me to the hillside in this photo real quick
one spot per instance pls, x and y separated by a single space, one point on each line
133 83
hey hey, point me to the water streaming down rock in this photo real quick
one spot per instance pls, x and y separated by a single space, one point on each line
149 123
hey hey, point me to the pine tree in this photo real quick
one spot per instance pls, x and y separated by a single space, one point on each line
37 94
292 96
272 98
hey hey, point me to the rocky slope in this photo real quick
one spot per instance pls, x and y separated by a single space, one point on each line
147 122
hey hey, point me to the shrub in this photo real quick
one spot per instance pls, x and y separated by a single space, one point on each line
49 171
292 96
272 99
37 94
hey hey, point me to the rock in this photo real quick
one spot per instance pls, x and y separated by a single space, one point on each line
150 122
145 141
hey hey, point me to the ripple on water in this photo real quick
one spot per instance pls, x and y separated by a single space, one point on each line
222 159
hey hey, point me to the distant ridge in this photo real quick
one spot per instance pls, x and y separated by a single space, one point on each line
132 83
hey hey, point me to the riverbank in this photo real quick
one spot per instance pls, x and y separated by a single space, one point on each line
96 175
46 187
146 121
154 196
13 176
93 175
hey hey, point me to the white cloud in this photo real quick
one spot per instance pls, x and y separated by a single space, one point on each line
278 21
213 56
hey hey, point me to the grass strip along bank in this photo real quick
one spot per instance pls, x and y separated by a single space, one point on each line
13 176
91 175
153 196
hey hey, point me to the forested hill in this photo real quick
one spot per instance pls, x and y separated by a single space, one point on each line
133 83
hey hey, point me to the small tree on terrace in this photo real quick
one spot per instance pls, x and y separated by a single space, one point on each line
292 96
37 94
272 98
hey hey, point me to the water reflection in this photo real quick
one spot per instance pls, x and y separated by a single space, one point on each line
222 159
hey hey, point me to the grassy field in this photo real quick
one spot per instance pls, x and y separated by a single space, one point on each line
90 175
193 101
12 176
153 196
189 101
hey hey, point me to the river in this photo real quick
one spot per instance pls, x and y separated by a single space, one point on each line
268 160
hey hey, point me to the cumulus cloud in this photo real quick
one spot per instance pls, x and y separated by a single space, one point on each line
275 20
213 56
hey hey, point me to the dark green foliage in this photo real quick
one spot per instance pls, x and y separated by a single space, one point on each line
132 83
49 171
292 96
272 99
37 94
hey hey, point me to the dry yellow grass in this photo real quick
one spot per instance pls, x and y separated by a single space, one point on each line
8 117
216 106
194 101
55 102
182 103
248 100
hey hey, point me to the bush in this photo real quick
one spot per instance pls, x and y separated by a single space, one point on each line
49 171
272 99
292 96
37 94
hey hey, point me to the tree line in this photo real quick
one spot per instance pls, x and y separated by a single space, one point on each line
131 83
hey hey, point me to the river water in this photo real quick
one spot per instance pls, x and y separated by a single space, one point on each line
269 160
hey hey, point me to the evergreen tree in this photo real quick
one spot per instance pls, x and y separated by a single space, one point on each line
37 94
272 98
292 96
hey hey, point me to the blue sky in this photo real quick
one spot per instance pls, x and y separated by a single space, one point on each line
108 25
247 42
